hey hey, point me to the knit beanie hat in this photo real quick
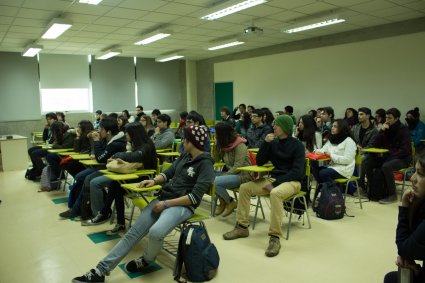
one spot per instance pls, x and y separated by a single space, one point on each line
197 135
285 123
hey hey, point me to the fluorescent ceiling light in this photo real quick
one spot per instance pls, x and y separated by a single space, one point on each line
55 28
233 9
153 36
108 54
169 57
225 44
92 2
32 50
321 23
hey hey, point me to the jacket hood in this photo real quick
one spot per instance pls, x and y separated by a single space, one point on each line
118 136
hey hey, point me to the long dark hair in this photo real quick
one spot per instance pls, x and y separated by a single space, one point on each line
85 127
308 134
141 142
417 210
58 129
343 132
246 123
224 135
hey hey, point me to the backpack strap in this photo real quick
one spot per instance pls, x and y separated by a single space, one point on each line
178 265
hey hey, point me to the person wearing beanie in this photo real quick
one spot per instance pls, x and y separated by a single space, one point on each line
364 134
286 153
183 185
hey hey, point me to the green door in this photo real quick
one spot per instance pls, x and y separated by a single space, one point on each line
223 95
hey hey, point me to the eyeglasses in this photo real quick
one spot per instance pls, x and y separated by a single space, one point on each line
254 116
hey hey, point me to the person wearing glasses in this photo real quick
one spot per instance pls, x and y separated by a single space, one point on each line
258 131
164 136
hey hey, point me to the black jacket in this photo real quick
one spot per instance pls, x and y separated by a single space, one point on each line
104 150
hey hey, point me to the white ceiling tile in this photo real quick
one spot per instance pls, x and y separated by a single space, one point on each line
261 11
100 28
142 25
14 3
32 30
345 3
6 20
128 31
30 23
109 21
82 18
7 39
36 14
315 8
289 4
159 17
8 11
126 13
286 16
97 10
147 5
417 5
50 5
178 9
406 16
116 36
189 21
372 6
391 11
4 27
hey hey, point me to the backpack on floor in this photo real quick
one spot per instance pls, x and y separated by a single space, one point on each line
197 258
46 184
377 186
329 203
31 174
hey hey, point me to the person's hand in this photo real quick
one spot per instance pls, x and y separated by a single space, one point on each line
407 198
159 207
385 126
408 263
157 130
146 184
269 137
268 188
95 136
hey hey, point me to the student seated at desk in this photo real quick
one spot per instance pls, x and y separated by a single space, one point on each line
190 177
107 142
37 153
232 150
410 234
62 139
142 151
288 158
341 150
164 136
395 137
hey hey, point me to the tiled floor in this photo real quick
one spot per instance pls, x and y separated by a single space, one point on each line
36 246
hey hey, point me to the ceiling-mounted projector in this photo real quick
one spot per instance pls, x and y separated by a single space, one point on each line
253 30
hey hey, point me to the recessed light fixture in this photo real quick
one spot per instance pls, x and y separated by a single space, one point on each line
312 24
233 9
169 57
225 44
91 2
153 36
55 28
32 50
108 54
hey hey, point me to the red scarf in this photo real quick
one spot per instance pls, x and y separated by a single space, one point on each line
237 141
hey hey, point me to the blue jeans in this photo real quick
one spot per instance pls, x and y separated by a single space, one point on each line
97 188
157 225
79 182
328 174
224 183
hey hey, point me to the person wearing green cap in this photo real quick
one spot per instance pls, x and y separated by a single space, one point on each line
286 153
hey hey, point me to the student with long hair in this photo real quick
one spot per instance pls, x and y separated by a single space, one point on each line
410 234
341 150
232 150
147 123
142 151
308 133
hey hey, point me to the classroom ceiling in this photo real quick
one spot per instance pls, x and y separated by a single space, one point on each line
120 23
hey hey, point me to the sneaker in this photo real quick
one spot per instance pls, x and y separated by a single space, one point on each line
68 214
97 220
136 265
388 200
220 208
91 276
237 232
274 247
230 207
118 228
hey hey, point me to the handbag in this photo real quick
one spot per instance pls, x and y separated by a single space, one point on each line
120 166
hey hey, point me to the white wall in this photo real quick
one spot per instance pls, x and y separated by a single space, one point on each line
381 73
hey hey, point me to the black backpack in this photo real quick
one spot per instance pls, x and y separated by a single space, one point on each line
298 205
329 202
197 258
